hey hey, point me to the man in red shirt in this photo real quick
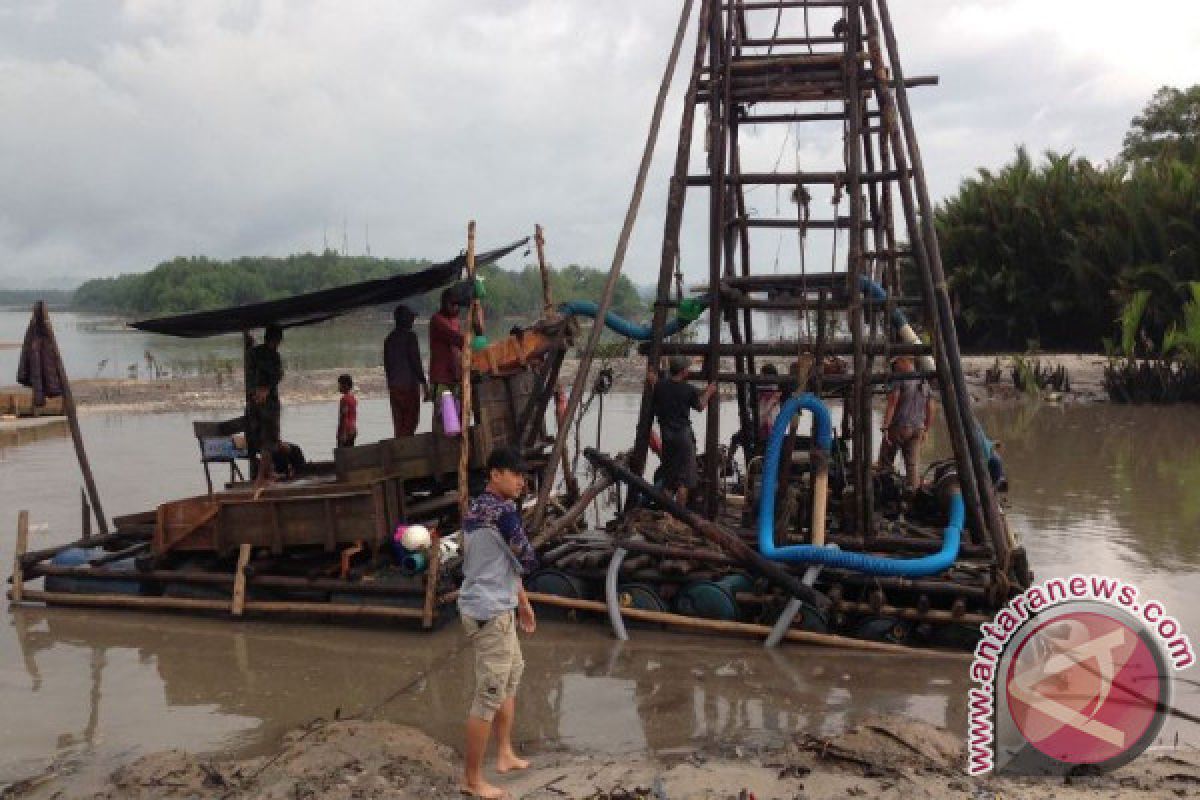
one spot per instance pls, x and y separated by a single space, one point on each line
445 353
347 430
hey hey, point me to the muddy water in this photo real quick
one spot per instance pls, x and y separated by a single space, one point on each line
1095 488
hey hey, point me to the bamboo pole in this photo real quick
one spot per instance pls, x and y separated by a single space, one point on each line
18 573
740 628
548 309
547 294
197 604
578 387
464 450
85 515
228 579
43 316
676 196
238 603
975 461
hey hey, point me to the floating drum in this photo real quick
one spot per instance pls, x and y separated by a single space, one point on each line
558 583
883 629
713 599
641 596
555 582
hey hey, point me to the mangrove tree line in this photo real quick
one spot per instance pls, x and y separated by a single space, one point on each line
1048 254
199 283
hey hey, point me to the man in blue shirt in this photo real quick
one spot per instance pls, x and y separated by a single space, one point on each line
491 604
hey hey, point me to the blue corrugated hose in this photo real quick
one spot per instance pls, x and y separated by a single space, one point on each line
618 324
828 556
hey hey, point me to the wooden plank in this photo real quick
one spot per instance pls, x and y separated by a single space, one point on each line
431 582
18 573
239 581
85 515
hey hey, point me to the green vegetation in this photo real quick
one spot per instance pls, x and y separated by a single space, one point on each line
1140 370
199 283
1047 255
1168 127
520 293
196 284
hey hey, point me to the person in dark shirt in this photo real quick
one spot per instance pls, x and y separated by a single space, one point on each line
252 437
405 373
266 371
674 401
446 342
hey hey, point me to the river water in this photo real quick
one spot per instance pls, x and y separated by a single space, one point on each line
1094 489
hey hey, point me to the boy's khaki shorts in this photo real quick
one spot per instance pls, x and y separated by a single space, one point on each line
498 662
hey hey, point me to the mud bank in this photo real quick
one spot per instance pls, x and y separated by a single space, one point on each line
309 386
885 757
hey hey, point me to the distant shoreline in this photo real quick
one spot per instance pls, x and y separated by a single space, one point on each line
302 387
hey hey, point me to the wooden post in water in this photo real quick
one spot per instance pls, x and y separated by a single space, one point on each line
464 452
85 515
41 315
18 573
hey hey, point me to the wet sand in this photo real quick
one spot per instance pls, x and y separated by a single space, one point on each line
362 759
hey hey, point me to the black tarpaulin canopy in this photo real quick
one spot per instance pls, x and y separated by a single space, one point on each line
305 309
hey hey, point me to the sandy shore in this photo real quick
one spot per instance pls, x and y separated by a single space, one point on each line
173 394
365 760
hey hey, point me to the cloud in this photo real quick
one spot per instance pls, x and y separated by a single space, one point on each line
156 128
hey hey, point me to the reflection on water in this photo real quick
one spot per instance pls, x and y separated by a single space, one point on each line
18 432
1094 489
1108 475
99 686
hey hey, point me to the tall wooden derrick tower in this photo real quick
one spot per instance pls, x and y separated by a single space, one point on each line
866 261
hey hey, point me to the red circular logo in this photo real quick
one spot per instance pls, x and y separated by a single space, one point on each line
1085 688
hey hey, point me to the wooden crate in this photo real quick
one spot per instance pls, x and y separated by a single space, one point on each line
501 403
279 519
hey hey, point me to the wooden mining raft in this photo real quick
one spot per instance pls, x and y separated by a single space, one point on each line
864 280
321 544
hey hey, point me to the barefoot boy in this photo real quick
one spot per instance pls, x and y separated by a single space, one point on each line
492 603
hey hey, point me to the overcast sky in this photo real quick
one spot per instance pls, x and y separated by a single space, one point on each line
137 131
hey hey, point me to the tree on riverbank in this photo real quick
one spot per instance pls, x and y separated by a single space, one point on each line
199 283
1048 254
